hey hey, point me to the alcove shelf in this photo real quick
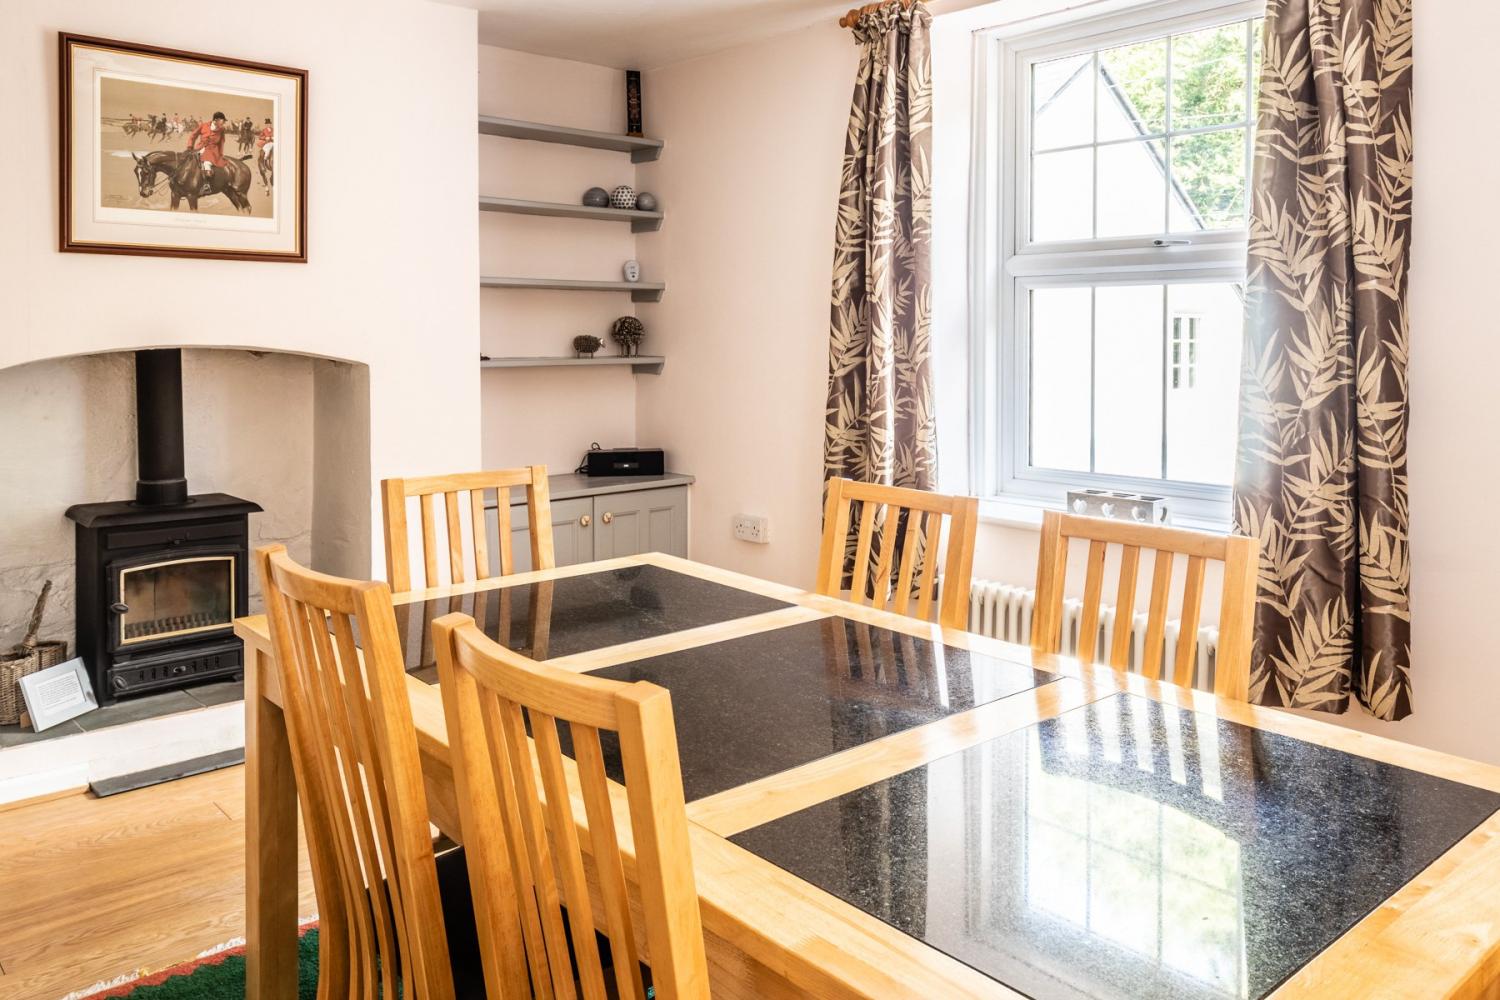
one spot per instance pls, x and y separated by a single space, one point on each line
642 365
641 150
640 291
640 222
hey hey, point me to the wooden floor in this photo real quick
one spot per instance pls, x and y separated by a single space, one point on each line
93 888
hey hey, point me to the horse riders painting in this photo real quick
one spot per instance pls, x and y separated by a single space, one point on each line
170 181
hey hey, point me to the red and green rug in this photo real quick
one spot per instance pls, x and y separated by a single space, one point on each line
220 976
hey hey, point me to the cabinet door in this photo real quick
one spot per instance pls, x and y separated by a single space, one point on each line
572 534
626 524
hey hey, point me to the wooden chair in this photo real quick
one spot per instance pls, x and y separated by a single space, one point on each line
515 838
1239 554
886 519
393 497
359 781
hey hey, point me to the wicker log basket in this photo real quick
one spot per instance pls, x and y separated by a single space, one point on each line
27 658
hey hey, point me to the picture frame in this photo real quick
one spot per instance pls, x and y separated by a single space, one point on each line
169 153
58 694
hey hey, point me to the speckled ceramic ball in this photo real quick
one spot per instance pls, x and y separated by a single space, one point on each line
645 201
596 197
623 197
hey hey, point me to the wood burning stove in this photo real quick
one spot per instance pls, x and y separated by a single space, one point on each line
161 578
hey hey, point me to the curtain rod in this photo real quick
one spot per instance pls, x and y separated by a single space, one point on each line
849 19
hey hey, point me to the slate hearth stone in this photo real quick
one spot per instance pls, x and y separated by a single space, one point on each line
750 707
17 736
1129 849
573 614
167 772
147 706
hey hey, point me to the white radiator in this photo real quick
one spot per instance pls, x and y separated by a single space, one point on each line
1003 611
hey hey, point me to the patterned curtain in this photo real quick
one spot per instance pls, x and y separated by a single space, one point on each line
879 426
1321 474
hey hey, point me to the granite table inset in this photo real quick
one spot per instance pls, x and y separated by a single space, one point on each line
574 614
756 705
1129 849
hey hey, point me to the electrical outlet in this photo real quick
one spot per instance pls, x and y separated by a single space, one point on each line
752 528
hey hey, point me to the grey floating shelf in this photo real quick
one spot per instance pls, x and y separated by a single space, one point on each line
641 150
640 291
640 222
643 365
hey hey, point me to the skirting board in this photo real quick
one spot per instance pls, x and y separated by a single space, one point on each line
34 769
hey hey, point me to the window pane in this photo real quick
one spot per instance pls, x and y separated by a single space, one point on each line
1202 410
1132 188
1128 374
1208 181
1062 102
1208 77
1133 90
1061 319
1062 195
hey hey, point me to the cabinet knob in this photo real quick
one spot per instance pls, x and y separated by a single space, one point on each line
585 521
606 517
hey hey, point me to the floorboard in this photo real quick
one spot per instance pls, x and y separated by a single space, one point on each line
95 888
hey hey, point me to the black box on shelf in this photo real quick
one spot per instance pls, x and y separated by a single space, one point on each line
626 462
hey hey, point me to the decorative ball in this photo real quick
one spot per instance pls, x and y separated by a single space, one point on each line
623 197
586 344
596 197
627 332
645 201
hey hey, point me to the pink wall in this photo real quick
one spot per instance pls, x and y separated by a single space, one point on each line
749 181
550 415
393 265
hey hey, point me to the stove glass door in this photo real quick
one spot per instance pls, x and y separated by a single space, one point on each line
177 597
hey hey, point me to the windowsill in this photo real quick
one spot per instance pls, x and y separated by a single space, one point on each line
1026 514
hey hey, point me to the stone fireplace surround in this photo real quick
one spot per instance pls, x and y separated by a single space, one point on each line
390 285
294 431
289 429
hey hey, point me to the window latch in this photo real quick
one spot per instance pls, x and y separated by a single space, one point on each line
1171 243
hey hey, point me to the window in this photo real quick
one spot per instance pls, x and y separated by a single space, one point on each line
1118 164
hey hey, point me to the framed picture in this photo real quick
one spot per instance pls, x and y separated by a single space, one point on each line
177 154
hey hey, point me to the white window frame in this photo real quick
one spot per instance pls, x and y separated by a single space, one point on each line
1005 265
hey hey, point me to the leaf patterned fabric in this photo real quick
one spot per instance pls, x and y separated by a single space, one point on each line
879 425
1321 471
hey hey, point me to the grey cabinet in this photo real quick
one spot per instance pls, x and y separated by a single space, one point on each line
603 527
627 524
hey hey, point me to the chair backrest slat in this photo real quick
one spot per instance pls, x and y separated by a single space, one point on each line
1093 593
1130 567
461 560
481 532
518 805
1239 554
1156 615
909 546
911 521
359 778
589 753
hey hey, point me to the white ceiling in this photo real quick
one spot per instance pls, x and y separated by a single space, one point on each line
642 34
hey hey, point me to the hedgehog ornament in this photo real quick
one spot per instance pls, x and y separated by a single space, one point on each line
627 332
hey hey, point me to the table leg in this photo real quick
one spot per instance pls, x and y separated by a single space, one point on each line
270 841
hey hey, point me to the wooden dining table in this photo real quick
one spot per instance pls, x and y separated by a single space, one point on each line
879 807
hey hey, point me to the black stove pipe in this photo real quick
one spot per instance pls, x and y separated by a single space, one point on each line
160 469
